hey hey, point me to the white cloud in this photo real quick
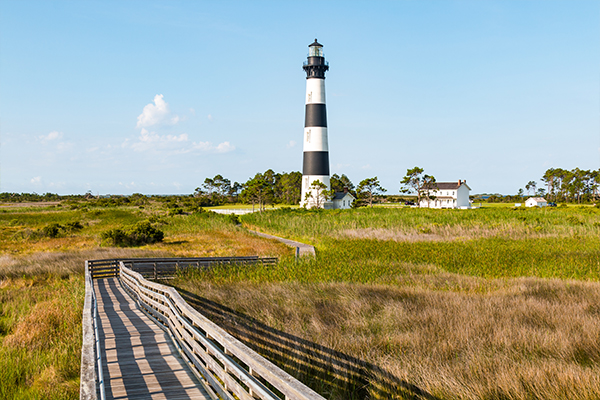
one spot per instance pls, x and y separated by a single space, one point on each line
224 147
208 147
37 180
210 117
157 113
54 135
368 166
151 140
291 144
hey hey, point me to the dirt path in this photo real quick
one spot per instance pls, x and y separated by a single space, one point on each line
304 249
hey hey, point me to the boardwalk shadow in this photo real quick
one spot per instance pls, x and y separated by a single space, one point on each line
329 372
136 368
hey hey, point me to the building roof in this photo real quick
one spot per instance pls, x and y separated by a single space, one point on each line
341 195
447 185
537 199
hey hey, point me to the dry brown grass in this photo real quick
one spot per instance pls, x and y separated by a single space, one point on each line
220 243
456 232
61 264
451 337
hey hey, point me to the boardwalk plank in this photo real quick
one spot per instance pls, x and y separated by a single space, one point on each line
139 359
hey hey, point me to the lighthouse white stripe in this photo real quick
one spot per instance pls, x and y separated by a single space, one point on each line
315 91
307 180
315 139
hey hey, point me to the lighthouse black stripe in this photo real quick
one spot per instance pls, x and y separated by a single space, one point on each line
316 115
315 163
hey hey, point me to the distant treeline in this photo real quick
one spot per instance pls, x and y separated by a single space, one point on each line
271 188
559 186
268 188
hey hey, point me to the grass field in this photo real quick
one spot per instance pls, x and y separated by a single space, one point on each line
406 303
493 303
42 283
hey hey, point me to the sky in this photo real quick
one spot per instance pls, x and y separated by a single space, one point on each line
121 97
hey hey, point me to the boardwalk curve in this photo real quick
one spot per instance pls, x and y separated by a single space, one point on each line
139 359
151 344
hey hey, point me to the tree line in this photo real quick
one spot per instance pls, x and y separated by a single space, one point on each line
576 185
271 188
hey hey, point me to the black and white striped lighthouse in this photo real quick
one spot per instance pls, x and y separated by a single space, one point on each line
315 166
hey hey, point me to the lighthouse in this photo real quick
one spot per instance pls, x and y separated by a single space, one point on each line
315 165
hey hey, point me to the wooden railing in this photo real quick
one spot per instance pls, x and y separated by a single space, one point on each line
157 268
229 368
91 379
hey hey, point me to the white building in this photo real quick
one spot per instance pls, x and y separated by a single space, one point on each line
343 200
536 202
446 195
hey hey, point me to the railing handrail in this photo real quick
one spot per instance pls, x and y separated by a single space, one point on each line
210 349
91 378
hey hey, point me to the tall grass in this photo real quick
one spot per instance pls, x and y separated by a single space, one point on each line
413 224
408 303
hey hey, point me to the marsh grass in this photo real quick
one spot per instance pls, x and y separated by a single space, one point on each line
443 336
42 283
414 224
41 300
502 304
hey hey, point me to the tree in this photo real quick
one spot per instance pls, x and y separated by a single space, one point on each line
257 190
317 194
290 187
416 181
338 183
531 185
368 188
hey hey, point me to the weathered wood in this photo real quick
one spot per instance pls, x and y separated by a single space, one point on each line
203 346
140 361
162 268
87 388
302 249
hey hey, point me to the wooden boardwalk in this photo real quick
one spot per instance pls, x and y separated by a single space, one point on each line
139 360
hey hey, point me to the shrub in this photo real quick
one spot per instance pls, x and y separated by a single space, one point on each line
142 233
52 230
73 226
234 219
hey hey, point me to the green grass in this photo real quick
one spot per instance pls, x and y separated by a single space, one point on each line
493 303
248 207
40 337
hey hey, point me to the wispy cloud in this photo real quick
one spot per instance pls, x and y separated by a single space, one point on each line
54 135
208 147
291 144
36 180
174 144
157 113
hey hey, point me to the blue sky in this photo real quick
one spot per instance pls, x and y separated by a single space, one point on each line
154 96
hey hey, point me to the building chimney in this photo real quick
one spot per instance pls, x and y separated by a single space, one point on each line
345 189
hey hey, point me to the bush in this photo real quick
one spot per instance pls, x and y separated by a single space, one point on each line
234 219
52 230
140 234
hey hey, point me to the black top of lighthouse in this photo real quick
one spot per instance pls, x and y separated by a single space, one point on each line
315 65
